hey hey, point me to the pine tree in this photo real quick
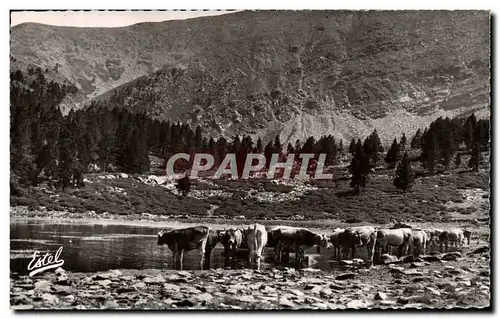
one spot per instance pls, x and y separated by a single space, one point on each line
184 185
430 151
447 149
458 160
359 168
259 148
341 147
198 138
416 140
404 176
269 150
468 131
308 146
290 149
277 144
475 158
352 146
392 155
402 143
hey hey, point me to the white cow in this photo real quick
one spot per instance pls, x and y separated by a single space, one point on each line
256 238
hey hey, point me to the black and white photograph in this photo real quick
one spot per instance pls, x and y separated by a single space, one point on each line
250 160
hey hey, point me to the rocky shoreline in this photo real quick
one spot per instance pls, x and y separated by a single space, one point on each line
438 281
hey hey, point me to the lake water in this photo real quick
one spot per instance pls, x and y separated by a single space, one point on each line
100 247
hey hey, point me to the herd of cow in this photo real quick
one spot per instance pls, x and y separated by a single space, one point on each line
286 239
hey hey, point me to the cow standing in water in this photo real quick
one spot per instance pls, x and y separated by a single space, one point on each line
401 238
231 239
256 236
186 239
360 236
299 240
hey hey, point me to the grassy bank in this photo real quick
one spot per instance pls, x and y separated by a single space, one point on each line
436 198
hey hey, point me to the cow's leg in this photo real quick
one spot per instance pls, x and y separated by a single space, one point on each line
174 259
208 253
181 257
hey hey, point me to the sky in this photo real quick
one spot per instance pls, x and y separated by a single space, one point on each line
104 18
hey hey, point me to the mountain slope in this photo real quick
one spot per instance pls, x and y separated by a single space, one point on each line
294 73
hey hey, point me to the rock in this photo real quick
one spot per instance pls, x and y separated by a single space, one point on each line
62 279
21 307
413 272
451 256
346 262
60 271
184 273
139 285
286 303
171 287
412 288
433 291
154 280
268 290
63 290
357 304
417 264
247 298
430 258
388 302
345 276
380 296
49 298
325 292
110 304
310 270
184 303
422 278
297 292
42 285
480 250
105 282
203 297
397 270
406 259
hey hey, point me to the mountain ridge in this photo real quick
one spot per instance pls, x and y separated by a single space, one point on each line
293 73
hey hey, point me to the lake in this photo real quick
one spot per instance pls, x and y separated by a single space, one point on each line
90 247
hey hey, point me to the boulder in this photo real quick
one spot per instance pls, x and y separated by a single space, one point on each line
380 296
345 276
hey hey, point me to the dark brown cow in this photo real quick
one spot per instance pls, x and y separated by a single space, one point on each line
212 241
299 239
185 239
360 236
231 239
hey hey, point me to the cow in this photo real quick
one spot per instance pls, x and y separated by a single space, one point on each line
335 240
281 253
360 236
256 236
401 237
453 237
419 241
298 239
467 235
231 239
185 239
434 236
213 239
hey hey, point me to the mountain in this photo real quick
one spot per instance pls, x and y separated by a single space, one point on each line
263 73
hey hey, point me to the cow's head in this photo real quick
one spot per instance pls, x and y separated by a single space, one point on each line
164 237
228 237
322 241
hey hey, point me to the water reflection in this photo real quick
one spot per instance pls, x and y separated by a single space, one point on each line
99 247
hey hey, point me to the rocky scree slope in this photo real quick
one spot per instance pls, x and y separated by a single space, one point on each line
293 73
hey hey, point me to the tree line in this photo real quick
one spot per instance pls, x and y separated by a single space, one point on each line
45 145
